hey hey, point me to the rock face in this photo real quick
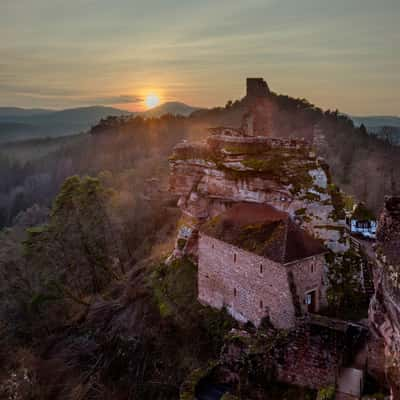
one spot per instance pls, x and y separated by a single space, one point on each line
385 306
231 166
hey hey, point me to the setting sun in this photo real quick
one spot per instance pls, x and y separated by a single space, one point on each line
152 100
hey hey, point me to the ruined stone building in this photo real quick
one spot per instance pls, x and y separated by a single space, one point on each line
255 261
246 178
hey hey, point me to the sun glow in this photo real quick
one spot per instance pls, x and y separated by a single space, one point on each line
152 100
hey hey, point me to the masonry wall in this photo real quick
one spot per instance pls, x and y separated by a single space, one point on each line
376 356
248 293
308 275
311 359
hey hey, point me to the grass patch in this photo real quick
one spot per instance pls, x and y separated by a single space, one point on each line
193 152
327 393
311 197
338 203
301 212
244 148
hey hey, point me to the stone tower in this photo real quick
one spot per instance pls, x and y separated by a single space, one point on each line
257 88
258 119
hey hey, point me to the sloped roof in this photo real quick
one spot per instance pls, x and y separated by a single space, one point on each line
263 230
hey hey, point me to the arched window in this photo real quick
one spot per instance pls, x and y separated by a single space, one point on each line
234 292
312 267
234 257
261 268
261 304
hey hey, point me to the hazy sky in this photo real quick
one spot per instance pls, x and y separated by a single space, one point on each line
64 53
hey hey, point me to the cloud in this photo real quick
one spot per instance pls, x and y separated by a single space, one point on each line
34 90
121 99
25 95
63 93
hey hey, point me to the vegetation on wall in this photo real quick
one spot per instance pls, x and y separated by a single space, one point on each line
362 213
327 393
338 203
345 294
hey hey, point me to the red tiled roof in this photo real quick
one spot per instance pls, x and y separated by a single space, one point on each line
263 230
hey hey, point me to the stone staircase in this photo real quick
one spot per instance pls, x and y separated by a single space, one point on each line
368 282
364 249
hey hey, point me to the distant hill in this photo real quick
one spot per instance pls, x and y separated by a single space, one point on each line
12 112
17 124
384 127
377 121
82 117
172 107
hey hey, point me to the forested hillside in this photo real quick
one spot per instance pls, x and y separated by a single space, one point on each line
361 164
84 291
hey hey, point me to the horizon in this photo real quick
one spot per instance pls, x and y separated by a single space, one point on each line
177 101
88 53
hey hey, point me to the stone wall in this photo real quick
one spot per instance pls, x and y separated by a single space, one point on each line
252 287
376 356
307 357
263 143
231 277
311 358
309 274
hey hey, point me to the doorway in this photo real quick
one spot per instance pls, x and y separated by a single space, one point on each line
311 301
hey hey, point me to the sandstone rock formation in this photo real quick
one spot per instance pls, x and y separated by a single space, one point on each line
232 166
385 306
